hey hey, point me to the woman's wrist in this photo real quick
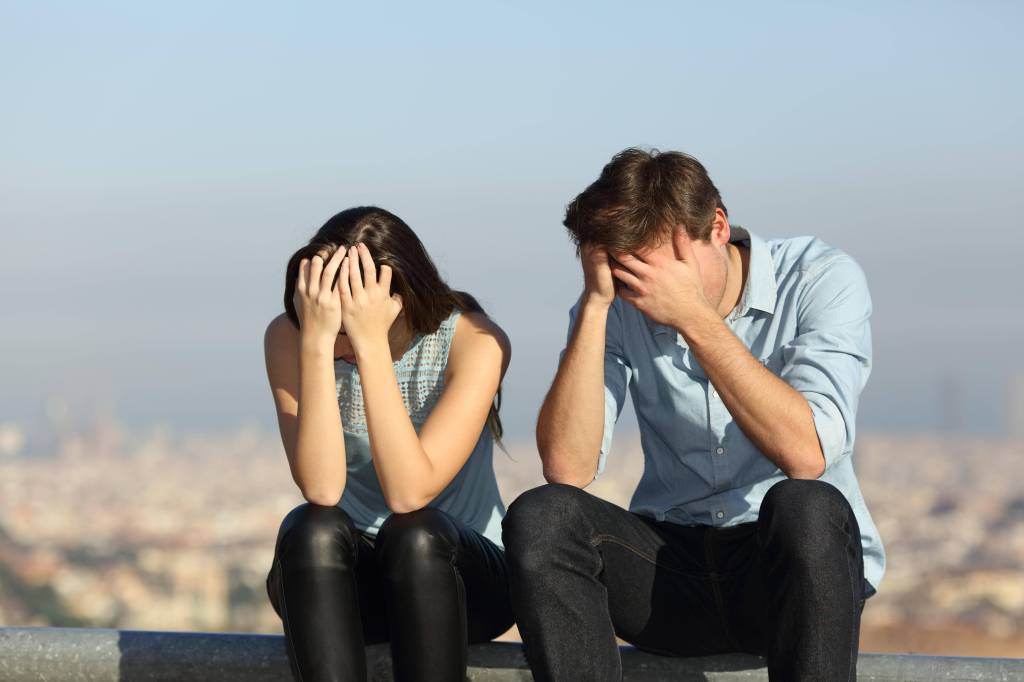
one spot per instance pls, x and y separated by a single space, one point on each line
316 344
370 350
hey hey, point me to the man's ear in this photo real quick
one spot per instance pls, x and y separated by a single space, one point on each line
720 230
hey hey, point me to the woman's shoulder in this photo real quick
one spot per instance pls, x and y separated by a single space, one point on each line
280 329
280 336
477 335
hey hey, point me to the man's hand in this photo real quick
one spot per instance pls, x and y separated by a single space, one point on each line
664 286
598 284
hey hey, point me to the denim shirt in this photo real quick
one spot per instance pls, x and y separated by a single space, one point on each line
804 313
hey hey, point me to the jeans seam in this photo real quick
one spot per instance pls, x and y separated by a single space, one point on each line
854 630
601 538
710 557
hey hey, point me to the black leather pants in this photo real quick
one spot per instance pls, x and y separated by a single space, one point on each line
427 584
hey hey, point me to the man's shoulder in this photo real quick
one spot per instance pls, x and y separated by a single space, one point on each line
805 256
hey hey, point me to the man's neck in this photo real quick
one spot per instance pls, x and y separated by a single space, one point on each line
736 278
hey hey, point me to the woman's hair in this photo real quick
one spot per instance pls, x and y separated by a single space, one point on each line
426 299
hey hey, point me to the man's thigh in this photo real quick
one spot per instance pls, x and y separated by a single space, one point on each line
660 596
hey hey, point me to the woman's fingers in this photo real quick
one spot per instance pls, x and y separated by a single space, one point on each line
369 269
355 275
385 278
330 269
343 282
302 280
316 266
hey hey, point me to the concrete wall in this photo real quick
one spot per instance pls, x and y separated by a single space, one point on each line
71 654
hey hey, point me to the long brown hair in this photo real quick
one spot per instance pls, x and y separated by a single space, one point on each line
426 299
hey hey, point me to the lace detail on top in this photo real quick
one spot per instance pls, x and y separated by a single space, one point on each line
420 375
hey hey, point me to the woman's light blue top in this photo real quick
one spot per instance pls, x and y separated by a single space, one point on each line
472 496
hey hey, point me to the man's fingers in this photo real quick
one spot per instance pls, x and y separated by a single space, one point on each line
633 263
628 278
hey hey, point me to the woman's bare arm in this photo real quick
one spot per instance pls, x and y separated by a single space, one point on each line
300 367
414 467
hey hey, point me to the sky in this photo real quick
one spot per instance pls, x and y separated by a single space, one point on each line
159 163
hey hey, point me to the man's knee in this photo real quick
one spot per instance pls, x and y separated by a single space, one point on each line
807 517
540 520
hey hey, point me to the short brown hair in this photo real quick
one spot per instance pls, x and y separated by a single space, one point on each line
639 197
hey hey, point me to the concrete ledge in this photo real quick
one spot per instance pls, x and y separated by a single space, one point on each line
73 654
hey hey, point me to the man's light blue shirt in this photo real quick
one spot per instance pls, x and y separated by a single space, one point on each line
804 313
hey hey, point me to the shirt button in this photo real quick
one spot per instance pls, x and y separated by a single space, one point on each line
720 451
720 514
714 394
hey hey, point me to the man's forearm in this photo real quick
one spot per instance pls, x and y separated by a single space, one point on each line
772 414
570 426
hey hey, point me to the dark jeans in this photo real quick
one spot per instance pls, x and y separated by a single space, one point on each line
427 583
789 586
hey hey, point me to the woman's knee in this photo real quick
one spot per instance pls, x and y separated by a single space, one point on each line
313 534
410 541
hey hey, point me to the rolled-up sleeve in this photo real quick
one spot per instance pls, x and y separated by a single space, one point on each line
829 359
616 375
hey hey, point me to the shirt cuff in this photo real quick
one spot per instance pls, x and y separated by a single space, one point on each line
831 428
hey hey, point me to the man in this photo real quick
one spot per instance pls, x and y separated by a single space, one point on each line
744 359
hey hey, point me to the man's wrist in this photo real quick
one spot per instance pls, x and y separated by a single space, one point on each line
699 324
595 301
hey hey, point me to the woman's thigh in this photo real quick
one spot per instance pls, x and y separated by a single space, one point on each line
412 546
368 585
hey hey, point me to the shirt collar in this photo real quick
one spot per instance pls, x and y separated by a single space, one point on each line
760 291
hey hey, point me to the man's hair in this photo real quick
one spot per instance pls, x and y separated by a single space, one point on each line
640 197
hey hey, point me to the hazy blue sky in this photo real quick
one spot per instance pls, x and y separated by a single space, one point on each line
159 164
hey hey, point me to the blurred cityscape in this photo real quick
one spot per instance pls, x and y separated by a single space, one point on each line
102 526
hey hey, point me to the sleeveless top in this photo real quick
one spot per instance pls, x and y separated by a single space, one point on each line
471 497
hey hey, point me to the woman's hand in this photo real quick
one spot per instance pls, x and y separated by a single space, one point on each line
368 308
317 303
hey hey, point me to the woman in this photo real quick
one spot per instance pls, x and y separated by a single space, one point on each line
386 383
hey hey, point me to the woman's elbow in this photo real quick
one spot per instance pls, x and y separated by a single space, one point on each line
406 502
326 497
